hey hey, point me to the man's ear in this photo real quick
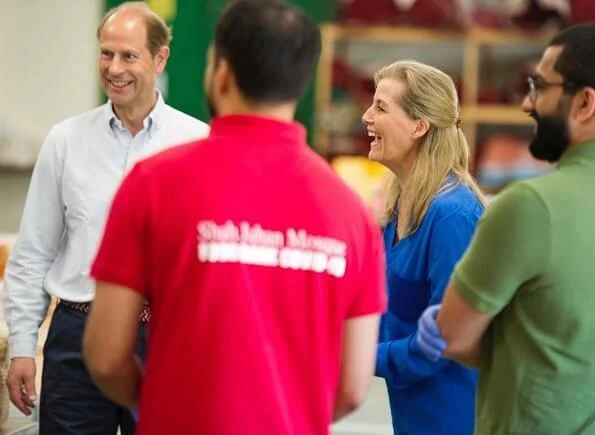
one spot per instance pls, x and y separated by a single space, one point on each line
585 104
222 76
161 57
421 128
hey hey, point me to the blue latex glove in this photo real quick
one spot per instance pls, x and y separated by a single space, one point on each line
428 337
135 415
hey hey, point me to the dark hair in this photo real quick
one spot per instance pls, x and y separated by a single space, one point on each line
576 62
272 48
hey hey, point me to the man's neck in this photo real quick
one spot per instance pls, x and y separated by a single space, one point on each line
583 142
133 116
281 112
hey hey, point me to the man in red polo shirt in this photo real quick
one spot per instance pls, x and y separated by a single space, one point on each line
265 273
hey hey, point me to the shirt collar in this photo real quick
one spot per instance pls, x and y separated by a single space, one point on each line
151 123
577 154
247 126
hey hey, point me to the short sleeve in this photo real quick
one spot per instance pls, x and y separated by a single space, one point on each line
122 257
370 296
512 245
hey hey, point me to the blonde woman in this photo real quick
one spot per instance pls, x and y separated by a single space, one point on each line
432 210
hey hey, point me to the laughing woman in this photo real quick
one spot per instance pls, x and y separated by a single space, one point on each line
433 207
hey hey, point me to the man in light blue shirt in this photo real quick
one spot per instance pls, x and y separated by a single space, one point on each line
79 168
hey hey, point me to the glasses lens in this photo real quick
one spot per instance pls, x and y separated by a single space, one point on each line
532 89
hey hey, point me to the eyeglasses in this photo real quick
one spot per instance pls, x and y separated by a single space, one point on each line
536 85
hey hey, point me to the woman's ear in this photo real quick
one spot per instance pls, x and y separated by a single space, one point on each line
421 128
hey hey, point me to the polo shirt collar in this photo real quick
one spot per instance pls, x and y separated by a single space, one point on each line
247 126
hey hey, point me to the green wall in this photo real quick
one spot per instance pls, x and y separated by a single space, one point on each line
193 23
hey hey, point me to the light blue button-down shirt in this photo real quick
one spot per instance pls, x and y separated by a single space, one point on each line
79 168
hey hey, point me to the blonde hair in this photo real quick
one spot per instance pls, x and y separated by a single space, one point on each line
431 95
158 33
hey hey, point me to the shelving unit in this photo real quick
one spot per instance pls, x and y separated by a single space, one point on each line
472 41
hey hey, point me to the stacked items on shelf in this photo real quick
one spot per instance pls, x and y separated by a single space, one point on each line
366 178
519 14
4 251
504 158
5 246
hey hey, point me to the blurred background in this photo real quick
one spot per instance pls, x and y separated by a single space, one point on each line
49 54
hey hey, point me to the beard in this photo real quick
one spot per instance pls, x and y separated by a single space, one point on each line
551 139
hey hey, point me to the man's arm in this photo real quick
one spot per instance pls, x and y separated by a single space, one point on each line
361 325
109 342
25 299
38 241
357 363
462 326
512 245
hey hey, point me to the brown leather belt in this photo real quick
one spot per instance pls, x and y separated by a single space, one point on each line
84 307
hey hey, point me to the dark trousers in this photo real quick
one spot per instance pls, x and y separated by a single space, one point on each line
70 403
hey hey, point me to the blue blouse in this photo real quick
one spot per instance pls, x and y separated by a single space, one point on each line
426 398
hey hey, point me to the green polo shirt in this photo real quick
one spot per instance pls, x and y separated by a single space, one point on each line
531 265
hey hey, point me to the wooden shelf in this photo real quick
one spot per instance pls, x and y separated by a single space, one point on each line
391 34
495 114
384 34
506 37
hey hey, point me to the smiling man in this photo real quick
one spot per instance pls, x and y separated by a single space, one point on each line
81 163
520 303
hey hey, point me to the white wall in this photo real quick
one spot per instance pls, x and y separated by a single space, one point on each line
47 73
48 55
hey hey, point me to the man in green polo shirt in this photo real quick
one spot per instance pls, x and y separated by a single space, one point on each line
521 303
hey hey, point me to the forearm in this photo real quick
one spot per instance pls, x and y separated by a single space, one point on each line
342 408
463 327
122 384
469 358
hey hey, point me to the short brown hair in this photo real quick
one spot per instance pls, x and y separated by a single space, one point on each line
158 33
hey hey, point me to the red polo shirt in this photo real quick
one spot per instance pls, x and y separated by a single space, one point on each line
252 253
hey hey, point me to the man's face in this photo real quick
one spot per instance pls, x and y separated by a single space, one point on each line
127 68
549 106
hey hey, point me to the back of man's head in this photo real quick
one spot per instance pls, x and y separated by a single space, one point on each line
576 63
271 47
